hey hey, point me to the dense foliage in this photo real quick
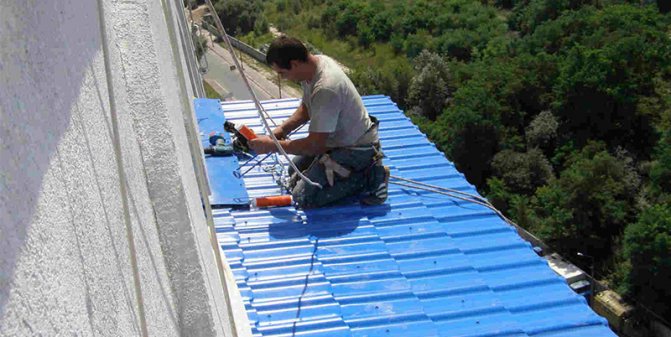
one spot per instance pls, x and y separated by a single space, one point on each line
241 16
453 28
646 270
559 111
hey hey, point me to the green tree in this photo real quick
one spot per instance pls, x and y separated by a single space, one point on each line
314 21
607 62
660 172
397 42
296 6
528 14
498 194
460 43
483 116
468 136
415 43
522 173
587 207
365 36
515 177
261 26
597 103
281 5
381 25
348 18
391 79
458 26
239 16
428 93
646 271
542 132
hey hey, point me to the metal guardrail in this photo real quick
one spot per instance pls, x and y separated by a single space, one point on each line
245 48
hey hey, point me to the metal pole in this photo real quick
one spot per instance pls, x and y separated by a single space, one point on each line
279 83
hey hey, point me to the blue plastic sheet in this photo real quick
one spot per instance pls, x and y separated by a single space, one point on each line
226 187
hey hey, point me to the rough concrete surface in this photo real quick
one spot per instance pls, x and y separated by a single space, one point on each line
65 262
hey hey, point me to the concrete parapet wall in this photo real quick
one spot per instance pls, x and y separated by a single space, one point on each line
65 254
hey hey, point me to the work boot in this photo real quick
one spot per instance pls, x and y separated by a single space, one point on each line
377 189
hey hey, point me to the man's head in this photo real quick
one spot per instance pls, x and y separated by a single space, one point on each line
288 56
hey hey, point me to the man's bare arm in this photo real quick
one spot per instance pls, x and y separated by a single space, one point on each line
313 144
298 118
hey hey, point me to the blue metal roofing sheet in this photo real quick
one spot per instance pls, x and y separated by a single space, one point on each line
422 264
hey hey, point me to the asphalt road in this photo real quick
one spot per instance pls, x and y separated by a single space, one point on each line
229 82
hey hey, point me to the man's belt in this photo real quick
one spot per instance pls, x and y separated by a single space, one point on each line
331 167
367 141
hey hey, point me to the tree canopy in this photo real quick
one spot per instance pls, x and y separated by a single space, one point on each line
559 111
239 16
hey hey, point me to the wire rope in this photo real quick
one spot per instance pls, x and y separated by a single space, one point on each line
260 107
472 198
477 197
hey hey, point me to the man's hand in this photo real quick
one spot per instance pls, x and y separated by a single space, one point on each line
298 118
262 144
279 133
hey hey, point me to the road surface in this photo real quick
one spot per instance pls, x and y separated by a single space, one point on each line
229 84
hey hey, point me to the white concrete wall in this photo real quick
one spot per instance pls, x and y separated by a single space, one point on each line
65 261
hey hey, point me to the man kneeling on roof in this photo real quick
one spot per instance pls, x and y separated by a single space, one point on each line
342 150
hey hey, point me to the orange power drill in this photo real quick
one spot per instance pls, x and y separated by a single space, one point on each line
243 134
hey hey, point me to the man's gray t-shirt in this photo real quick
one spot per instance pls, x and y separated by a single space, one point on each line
334 105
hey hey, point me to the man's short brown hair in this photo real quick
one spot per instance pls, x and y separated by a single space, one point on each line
284 49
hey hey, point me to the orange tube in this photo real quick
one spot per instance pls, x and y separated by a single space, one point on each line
272 201
247 132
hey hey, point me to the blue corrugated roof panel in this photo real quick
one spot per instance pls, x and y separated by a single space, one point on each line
421 264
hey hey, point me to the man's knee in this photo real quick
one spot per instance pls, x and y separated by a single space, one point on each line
301 162
304 195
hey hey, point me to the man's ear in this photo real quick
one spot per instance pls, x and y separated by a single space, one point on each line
293 63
